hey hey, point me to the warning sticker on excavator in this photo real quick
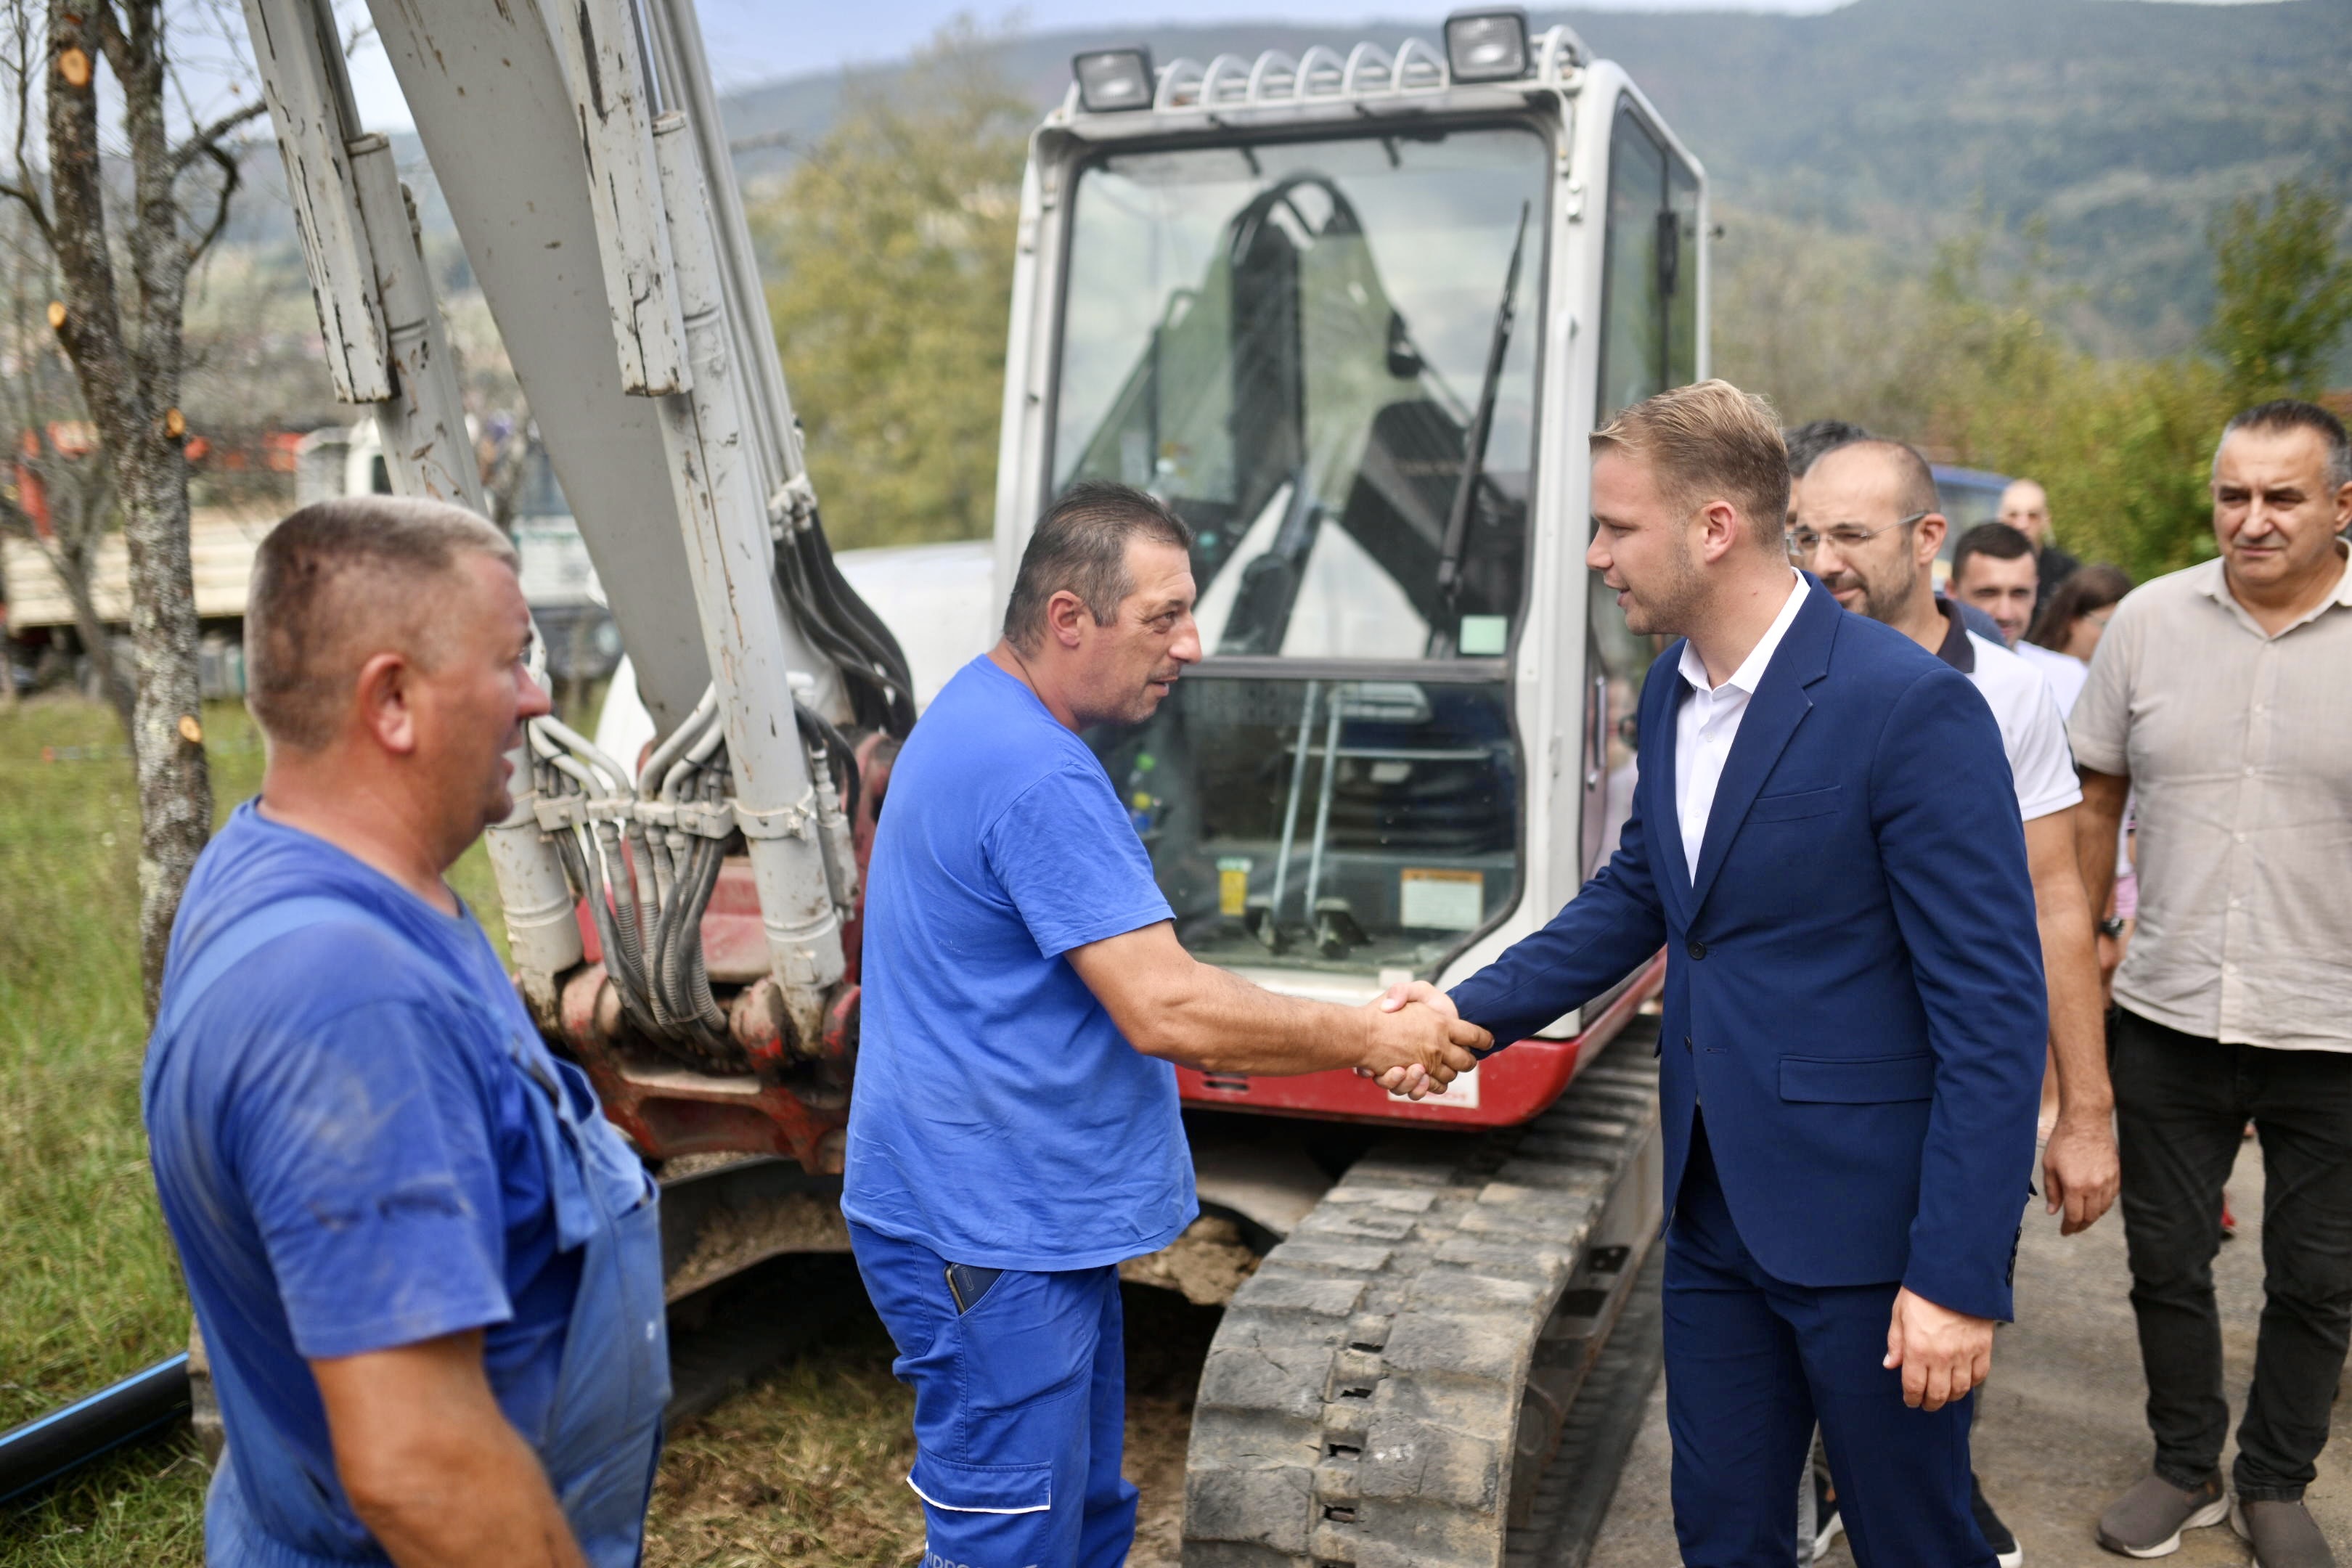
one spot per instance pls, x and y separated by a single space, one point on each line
1233 884
1433 898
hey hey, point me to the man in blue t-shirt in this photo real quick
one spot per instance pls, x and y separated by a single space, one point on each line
427 1271
1014 1132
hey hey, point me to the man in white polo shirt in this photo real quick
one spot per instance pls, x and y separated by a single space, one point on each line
1868 524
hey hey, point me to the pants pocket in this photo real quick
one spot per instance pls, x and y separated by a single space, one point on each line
982 1489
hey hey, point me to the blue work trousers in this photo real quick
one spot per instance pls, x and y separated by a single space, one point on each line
1752 1361
1020 1407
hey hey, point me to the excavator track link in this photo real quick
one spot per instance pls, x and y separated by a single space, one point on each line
1391 1386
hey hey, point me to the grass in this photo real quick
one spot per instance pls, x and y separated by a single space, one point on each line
90 1288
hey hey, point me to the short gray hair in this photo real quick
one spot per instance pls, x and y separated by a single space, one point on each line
2294 413
338 583
1080 546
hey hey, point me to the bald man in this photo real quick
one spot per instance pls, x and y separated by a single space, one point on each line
427 1270
2025 507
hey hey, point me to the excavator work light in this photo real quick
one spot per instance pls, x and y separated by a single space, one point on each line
1112 80
1487 45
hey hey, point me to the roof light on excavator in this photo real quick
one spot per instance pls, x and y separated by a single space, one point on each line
1487 45
1112 80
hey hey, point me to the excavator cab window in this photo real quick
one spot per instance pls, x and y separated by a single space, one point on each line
1649 342
1322 354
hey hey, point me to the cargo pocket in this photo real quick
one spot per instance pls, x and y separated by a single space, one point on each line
982 1489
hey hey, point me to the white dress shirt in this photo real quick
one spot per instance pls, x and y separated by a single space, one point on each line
1709 722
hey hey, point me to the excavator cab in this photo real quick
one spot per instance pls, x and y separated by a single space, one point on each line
1352 317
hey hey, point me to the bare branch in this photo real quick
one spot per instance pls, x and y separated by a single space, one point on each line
33 209
204 140
229 178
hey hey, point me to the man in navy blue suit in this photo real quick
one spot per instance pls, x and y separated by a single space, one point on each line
1825 839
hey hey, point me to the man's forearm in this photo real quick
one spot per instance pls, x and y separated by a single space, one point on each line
431 1464
481 1501
2070 961
1221 1022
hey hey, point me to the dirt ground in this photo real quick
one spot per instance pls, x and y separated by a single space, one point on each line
807 1468
2059 1430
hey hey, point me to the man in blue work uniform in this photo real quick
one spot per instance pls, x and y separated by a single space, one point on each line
1014 1133
427 1271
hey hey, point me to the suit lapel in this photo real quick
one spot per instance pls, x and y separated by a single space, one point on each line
1780 705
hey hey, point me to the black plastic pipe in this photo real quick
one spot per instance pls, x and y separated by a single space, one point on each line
42 1449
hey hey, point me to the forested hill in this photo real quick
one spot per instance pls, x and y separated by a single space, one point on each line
2112 128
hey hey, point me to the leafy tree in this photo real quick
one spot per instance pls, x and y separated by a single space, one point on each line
892 247
2283 292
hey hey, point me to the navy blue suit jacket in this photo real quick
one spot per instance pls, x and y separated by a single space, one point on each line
1854 979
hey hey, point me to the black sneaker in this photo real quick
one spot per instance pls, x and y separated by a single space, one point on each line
1826 1522
2005 1549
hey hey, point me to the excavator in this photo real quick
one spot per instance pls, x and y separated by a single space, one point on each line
1350 313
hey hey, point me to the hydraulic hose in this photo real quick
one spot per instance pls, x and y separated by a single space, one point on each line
815 728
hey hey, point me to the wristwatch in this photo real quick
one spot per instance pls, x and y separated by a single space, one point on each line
2113 926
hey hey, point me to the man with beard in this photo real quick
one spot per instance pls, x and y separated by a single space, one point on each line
1015 1134
1868 523
1823 839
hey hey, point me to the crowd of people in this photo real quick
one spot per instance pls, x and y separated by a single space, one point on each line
1883 831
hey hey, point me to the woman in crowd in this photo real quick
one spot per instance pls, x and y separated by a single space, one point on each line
2071 624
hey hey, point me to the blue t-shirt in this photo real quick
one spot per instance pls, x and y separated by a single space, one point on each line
345 1156
1001 1119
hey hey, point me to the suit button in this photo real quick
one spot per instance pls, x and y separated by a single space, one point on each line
1696 948
1686 1042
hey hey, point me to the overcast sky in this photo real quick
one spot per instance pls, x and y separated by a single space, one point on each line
747 46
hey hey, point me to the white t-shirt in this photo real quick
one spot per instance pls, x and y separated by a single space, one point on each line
2041 764
2064 671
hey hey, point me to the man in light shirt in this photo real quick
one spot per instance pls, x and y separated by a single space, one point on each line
1868 524
2219 696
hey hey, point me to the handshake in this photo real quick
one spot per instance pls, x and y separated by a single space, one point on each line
1415 1043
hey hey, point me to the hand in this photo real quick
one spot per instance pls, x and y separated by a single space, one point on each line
1942 1353
1416 1050
2080 1172
1408 1081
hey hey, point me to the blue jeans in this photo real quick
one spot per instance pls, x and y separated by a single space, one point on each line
1020 1407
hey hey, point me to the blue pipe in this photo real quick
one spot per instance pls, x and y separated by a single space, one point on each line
50 1446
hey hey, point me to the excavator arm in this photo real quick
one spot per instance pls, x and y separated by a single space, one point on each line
579 148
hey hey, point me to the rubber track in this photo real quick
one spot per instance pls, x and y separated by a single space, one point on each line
1361 1404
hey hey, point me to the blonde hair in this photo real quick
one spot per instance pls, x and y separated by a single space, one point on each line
1708 441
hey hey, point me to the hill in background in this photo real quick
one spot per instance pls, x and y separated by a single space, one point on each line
2109 131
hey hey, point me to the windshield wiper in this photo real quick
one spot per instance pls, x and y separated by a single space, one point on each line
1474 444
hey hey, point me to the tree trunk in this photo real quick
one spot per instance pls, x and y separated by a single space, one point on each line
132 386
